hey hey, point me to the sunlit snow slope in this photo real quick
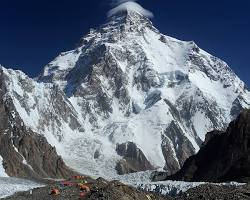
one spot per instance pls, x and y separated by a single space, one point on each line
127 82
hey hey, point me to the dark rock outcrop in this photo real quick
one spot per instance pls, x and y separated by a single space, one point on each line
133 159
224 156
216 192
183 149
30 156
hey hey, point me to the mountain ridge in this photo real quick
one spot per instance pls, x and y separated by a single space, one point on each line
223 157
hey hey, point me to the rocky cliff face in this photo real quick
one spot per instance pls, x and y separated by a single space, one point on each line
128 83
133 159
24 152
224 156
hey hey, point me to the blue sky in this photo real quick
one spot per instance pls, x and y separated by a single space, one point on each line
32 32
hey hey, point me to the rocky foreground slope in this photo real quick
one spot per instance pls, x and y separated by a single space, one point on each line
103 190
126 99
223 157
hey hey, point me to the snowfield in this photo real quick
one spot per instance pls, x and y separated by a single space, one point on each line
2 170
141 180
9 186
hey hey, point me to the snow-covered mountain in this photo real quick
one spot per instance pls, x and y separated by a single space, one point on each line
24 152
128 98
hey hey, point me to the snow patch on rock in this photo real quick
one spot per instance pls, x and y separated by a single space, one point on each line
2 170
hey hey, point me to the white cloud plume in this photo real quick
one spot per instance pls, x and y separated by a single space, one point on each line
118 2
128 5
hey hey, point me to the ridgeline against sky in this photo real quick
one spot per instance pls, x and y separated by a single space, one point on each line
34 32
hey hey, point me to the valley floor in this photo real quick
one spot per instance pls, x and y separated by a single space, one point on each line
103 190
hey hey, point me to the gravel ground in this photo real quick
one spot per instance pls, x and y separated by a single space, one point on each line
103 190
100 189
215 192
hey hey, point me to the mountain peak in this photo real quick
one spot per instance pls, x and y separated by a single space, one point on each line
105 92
130 19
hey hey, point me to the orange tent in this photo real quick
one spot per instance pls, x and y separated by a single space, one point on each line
54 191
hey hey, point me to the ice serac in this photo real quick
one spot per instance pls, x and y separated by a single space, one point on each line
126 83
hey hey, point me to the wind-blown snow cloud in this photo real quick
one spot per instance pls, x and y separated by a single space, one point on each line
118 2
128 5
